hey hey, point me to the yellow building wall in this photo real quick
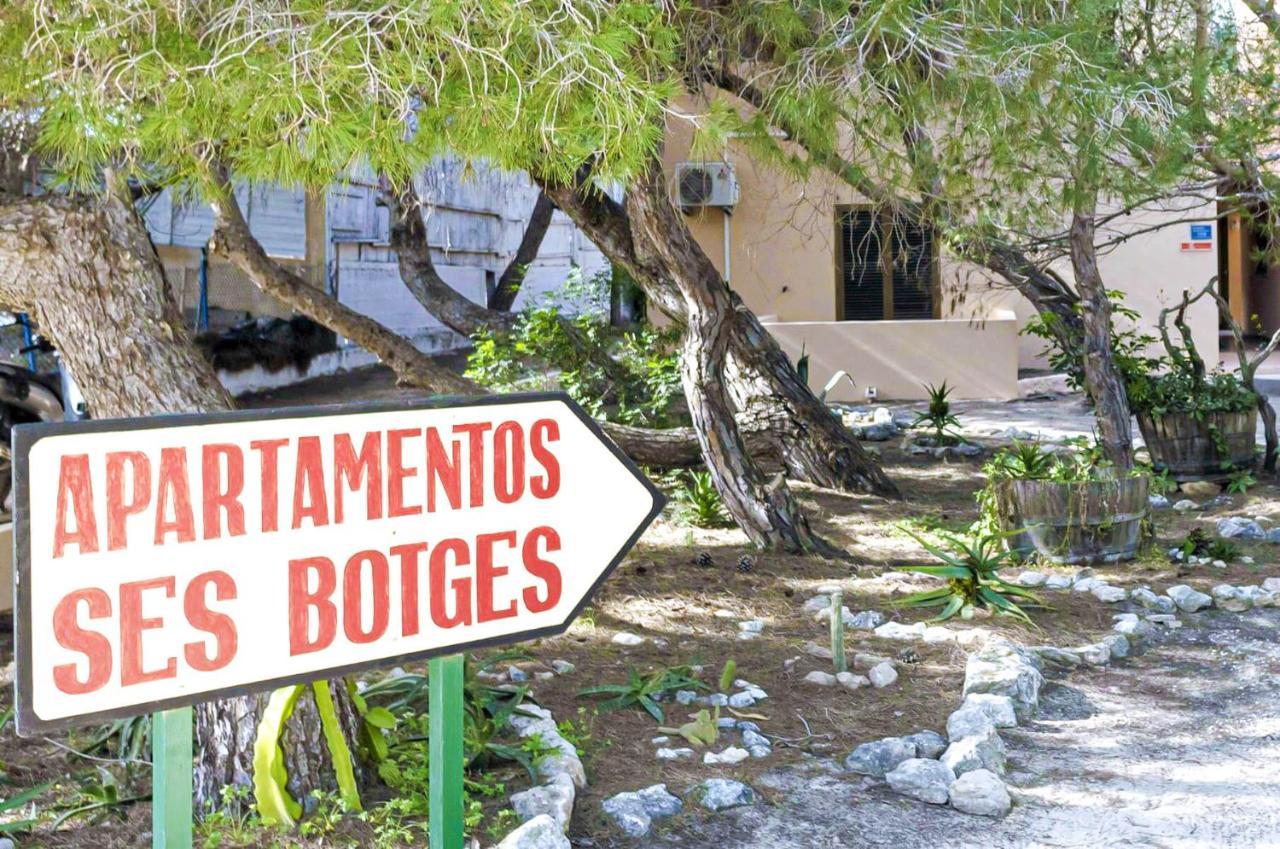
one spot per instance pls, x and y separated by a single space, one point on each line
781 259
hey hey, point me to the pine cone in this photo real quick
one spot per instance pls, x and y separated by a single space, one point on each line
704 559
746 564
908 655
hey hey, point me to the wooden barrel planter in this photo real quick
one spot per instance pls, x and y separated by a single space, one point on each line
1089 522
1187 447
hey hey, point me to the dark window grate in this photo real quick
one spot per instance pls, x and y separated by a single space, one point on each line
875 286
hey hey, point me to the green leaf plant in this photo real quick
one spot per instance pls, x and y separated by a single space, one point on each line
970 568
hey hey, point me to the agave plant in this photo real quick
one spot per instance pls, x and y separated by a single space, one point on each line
699 502
1023 461
938 417
971 569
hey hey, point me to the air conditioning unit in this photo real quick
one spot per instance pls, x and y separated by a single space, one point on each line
701 184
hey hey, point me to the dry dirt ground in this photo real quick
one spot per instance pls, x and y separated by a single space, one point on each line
1171 749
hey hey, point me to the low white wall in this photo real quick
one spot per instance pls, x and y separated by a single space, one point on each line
977 358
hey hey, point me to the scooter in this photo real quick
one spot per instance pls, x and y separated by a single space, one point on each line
30 396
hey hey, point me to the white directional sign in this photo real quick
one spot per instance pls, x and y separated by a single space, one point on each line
170 560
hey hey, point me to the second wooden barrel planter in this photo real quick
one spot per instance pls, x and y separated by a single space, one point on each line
1077 522
1206 448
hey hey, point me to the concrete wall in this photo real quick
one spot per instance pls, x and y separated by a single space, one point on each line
977 359
782 243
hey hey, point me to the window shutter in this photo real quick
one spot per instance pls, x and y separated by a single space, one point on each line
912 269
861 265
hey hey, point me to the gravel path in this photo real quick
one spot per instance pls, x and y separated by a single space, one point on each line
1176 749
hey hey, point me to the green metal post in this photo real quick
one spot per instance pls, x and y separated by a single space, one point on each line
171 752
444 816
837 631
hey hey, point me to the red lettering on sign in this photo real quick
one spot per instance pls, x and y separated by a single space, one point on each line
270 464
362 470
132 624
218 498
353 597
396 473
487 572
542 432
408 555
508 462
95 647
75 490
461 586
308 480
118 507
475 455
443 470
302 601
174 489
221 626
540 568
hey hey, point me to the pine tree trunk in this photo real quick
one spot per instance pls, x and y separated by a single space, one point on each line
813 443
503 296
765 510
1102 380
86 270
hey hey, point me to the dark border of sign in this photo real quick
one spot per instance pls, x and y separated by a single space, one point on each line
26 435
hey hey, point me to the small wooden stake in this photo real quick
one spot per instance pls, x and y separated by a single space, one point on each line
171 752
837 631
444 814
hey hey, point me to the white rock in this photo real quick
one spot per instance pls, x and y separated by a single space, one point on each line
817 603
1246 560
882 675
1271 585
999 709
674 754
1003 668
980 792
979 751
929 744
1058 582
731 755
1231 598
969 720
541 832
938 634
1094 654
719 794
1117 645
880 756
926 780
751 626
1151 601
1109 594
852 681
865 620
820 678
899 631
1032 579
626 638
554 799
1087 585
1188 599
1184 505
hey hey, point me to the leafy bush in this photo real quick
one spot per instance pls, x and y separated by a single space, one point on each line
1129 345
1180 391
629 376
970 567
1198 543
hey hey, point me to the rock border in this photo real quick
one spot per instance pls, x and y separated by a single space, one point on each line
545 809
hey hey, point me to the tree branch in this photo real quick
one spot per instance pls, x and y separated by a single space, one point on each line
503 296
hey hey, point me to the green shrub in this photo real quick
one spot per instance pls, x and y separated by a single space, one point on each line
970 567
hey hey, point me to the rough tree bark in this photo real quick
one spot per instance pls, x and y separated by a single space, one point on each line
813 443
86 270
1102 380
764 509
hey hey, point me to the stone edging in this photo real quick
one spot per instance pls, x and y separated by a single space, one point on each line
545 809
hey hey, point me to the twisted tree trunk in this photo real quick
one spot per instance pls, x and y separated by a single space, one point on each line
813 443
1102 380
233 240
86 270
764 509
